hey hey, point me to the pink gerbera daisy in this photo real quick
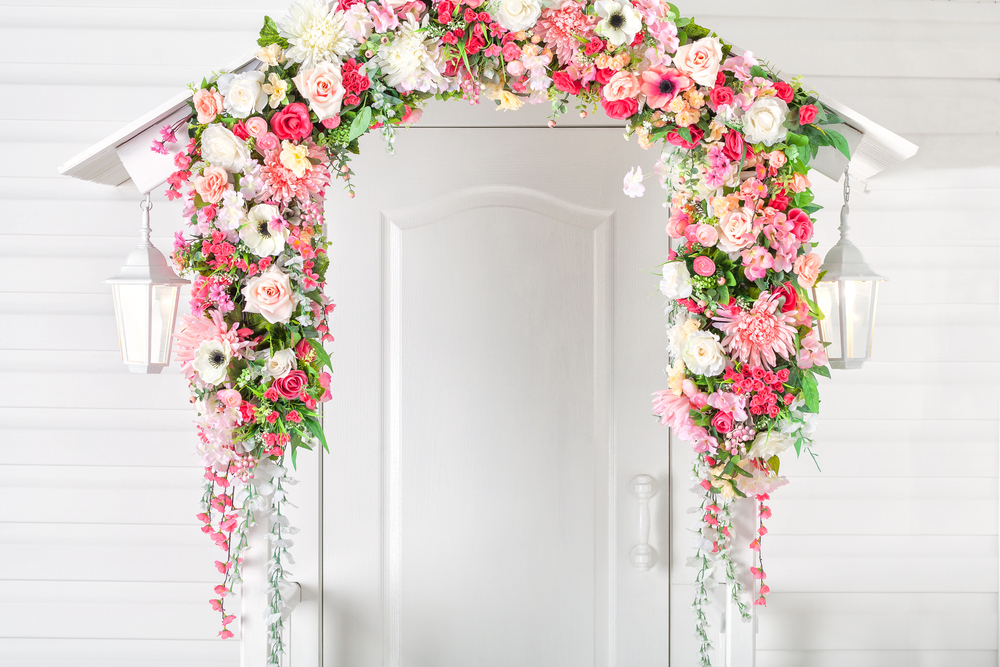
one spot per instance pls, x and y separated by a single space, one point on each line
754 336
560 26
661 84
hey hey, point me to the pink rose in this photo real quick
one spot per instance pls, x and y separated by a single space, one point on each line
620 109
784 92
700 60
240 130
230 398
736 230
722 96
208 103
807 114
622 85
704 266
707 235
292 123
323 87
800 183
270 294
412 115
791 297
803 226
723 422
291 385
511 51
674 137
331 123
566 83
516 68
807 267
734 146
212 184
256 126
268 142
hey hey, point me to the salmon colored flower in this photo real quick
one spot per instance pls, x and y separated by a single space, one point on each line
662 84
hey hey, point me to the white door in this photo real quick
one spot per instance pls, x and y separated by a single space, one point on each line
498 336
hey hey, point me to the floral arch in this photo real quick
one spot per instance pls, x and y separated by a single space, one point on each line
267 144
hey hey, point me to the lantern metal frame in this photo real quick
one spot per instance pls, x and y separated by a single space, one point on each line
845 267
146 266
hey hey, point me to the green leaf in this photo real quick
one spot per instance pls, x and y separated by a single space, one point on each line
361 123
774 463
821 370
320 352
685 133
741 471
810 391
317 430
757 70
723 295
838 141
269 35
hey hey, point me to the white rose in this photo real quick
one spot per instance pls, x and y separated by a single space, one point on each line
243 93
768 444
678 334
764 121
211 360
736 230
280 363
703 354
676 283
264 232
222 148
700 60
516 15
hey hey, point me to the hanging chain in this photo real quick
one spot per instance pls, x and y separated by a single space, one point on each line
847 186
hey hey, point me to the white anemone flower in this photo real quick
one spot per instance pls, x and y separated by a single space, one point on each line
211 360
264 232
619 21
315 33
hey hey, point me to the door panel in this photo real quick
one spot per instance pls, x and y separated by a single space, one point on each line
491 404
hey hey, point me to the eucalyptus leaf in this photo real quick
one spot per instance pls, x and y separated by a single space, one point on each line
362 121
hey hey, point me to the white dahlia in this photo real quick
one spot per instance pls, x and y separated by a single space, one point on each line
409 61
315 33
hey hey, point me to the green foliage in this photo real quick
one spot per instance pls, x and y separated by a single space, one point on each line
810 391
269 35
321 354
362 121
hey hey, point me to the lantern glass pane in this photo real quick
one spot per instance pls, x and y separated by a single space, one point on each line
857 310
827 298
132 313
164 304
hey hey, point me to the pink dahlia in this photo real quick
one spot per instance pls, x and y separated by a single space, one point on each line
560 26
281 184
661 84
754 336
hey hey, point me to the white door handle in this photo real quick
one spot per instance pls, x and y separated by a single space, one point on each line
642 555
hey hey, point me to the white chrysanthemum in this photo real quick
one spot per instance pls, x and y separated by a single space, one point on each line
315 34
619 21
409 61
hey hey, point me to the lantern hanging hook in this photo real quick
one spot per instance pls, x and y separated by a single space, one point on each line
846 208
145 205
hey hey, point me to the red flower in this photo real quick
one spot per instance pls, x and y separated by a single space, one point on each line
292 123
294 416
240 131
676 139
638 38
807 114
734 144
595 45
566 83
291 385
445 7
271 394
791 303
722 96
604 75
475 44
470 15
780 201
784 91
620 109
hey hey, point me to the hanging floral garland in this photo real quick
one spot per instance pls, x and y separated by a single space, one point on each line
266 144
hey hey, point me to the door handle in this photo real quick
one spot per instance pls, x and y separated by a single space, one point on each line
642 555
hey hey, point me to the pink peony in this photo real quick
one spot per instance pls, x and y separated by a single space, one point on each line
662 84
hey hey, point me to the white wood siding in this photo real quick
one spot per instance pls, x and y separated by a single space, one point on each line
889 557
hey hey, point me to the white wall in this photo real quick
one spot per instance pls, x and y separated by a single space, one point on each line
888 557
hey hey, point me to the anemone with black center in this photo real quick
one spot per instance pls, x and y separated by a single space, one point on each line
263 229
667 86
217 358
616 20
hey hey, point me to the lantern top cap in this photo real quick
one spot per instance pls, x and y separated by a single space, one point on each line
845 262
146 265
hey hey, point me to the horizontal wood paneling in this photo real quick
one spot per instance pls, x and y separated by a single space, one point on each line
121 652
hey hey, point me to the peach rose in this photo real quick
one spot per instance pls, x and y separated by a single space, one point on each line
622 86
270 294
212 184
208 103
736 230
256 126
323 87
806 267
700 60
800 183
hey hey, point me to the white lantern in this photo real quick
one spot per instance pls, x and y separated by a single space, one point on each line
847 295
146 292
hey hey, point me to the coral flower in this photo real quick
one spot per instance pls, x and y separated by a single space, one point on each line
662 84
562 26
283 184
754 336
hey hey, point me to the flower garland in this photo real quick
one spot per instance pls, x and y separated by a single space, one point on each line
267 143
